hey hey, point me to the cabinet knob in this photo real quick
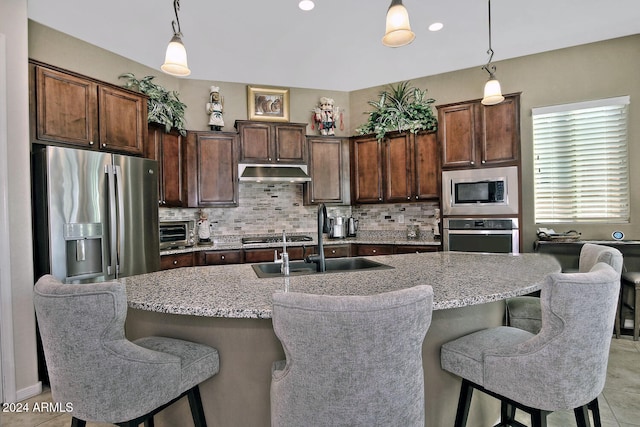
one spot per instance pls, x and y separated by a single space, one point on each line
333 251
484 161
104 145
175 262
90 142
472 163
374 251
408 197
222 257
379 198
416 197
278 159
269 159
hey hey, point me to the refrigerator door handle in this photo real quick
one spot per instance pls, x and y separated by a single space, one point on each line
121 215
113 231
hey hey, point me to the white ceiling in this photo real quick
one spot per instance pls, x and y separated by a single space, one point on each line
337 45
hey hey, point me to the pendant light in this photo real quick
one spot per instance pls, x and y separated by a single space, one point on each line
175 60
492 91
398 32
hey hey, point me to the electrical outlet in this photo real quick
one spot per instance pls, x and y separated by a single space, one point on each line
401 219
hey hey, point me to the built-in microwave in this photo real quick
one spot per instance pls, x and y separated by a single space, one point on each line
486 191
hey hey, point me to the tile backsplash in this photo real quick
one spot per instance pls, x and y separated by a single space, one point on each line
266 209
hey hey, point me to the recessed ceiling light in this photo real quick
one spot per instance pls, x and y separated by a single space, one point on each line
436 26
306 5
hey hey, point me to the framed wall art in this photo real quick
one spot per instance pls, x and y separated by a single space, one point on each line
268 104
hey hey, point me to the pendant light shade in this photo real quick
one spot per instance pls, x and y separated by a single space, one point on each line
492 90
492 93
175 60
398 32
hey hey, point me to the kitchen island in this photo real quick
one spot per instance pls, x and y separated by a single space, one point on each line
229 308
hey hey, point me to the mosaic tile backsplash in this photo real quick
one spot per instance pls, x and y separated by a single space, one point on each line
266 209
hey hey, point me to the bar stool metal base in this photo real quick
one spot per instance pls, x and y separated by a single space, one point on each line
629 280
508 410
195 403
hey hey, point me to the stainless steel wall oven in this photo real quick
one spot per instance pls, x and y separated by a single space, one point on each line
498 235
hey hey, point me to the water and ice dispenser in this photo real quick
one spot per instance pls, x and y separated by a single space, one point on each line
84 251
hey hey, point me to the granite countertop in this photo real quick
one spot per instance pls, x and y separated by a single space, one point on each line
459 279
367 237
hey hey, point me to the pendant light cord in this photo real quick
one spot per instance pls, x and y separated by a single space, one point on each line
176 8
489 67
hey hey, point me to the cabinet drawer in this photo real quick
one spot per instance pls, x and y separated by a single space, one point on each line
267 255
174 261
221 257
416 249
370 250
337 251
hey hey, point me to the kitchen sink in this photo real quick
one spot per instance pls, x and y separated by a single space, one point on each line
333 265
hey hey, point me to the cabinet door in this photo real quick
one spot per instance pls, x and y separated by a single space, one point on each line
212 174
255 142
366 170
167 149
457 132
66 108
328 168
289 143
426 166
123 120
398 168
501 131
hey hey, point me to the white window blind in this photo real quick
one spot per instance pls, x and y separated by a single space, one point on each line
581 171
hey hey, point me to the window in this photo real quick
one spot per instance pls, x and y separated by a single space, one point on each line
581 171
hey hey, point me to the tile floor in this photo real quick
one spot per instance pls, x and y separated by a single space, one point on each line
619 403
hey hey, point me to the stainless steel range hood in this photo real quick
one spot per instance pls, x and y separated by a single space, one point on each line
273 173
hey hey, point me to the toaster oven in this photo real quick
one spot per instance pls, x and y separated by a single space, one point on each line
176 234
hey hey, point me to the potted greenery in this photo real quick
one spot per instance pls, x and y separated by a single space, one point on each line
164 106
400 108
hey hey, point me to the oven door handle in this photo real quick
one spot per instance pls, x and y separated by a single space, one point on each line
508 231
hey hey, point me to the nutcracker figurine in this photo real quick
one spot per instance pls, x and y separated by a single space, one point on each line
325 116
214 108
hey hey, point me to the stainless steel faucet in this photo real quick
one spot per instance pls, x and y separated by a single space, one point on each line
318 258
284 268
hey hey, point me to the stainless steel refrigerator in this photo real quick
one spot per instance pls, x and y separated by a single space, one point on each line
95 214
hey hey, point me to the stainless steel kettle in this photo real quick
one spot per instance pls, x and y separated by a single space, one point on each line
352 227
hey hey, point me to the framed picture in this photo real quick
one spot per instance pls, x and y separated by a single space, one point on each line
269 104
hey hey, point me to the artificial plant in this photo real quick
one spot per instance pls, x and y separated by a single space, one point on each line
400 108
164 106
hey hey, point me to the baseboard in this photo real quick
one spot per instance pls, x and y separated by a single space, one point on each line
28 392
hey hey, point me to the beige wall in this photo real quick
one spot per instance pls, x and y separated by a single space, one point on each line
598 70
13 24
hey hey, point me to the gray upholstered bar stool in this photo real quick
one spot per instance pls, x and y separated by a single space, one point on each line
524 311
563 367
351 360
107 378
630 283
